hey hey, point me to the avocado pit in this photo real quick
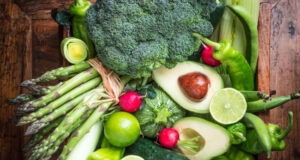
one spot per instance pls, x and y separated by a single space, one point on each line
194 85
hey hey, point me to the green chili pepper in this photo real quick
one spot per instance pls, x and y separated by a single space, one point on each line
240 72
261 131
252 145
278 135
265 104
237 133
251 31
79 8
254 95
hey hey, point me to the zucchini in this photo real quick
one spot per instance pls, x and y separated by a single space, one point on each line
149 151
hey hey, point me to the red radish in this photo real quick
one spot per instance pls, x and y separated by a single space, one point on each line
207 56
168 138
130 101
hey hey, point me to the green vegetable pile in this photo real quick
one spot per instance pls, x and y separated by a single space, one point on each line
183 106
134 37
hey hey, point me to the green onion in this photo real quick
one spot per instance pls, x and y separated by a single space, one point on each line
74 50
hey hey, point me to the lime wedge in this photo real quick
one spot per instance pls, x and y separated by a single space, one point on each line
132 157
228 106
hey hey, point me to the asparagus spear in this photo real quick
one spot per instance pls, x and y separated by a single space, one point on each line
37 90
47 151
59 73
37 137
80 132
67 86
22 98
70 118
53 105
37 125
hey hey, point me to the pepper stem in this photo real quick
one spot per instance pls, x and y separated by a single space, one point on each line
288 128
216 46
80 2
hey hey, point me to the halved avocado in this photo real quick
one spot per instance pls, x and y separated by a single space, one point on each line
214 139
167 79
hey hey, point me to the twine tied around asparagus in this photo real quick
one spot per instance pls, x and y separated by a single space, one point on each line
111 88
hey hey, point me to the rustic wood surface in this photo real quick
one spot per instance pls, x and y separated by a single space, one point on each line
29 46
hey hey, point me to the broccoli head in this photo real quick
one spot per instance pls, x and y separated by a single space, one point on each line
134 37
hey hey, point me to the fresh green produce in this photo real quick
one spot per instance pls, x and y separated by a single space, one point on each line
232 29
130 101
61 90
210 146
137 37
37 90
228 106
278 135
237 133
158 113
107 152
60 101
59 73
148 150
22 98
74 50
78 9
84 129
254 95
261 130
122 129
240 72
88 143
167 79
64 18
269 103
78 115
250 27
63 110
234 153
252 144
51 144
39 136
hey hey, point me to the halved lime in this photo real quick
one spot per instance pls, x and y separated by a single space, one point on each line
132 157
228 106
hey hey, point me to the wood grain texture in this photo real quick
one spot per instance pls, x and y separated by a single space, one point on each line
15 65
29 46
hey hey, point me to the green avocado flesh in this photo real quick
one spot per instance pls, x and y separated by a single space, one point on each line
167 79
214 139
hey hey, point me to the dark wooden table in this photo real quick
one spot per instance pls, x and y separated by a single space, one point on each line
29 46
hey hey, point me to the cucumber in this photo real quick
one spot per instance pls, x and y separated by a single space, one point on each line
88 143
149 151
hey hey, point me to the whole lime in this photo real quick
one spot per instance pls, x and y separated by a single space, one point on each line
122 129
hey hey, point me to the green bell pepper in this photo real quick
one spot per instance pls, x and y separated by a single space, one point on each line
107 152
237 133
78 9
252 145
278 135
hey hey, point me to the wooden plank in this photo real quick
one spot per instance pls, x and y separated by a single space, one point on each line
15 48
285 70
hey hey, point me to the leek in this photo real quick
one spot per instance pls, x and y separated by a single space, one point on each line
74 50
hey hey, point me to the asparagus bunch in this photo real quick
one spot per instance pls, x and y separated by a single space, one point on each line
64 111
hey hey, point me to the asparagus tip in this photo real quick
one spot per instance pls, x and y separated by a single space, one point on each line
27 83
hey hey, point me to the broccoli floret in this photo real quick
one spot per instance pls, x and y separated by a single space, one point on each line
134 37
